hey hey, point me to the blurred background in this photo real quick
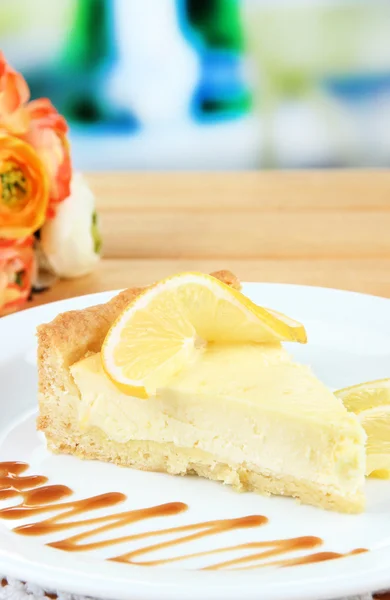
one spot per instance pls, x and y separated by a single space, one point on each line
210 84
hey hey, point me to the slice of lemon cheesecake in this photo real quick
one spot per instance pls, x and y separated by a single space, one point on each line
197 381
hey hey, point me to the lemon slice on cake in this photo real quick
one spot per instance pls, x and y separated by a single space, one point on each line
371 403
166 326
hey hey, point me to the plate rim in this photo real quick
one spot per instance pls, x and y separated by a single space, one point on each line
170 584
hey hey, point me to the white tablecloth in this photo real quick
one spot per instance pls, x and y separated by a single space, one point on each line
11 589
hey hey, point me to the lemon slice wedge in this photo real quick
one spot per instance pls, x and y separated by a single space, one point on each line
371 403
167 325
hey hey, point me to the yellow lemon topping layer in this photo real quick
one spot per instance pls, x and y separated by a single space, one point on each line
371 403
168 326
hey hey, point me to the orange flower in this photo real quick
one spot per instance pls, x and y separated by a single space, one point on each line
17 269
14 93
38 123
47 133
24 189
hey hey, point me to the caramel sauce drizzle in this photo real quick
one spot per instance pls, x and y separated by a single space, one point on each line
39 498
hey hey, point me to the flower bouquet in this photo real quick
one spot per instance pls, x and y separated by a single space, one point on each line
48 222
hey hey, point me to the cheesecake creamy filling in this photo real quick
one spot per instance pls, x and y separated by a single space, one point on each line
242 404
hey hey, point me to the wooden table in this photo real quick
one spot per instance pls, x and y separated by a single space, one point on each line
317 228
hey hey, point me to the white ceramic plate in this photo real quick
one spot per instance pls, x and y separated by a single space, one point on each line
349 342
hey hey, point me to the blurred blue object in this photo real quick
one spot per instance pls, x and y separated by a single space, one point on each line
358 87
223 90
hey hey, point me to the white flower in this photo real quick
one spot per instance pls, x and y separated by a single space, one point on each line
71 241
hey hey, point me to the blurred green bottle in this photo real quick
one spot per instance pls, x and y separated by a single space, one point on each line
223 89
91 42
89 52
87 62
